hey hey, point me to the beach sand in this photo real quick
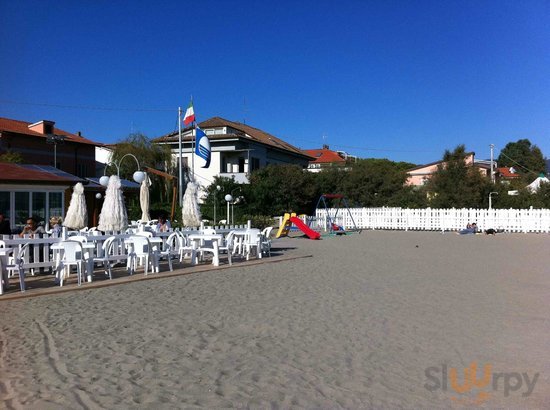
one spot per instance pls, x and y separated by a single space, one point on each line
354 326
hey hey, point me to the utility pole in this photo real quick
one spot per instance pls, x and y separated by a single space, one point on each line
492 164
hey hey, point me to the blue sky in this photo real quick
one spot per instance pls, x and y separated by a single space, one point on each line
397 79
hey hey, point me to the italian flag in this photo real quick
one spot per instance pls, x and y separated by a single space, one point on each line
189 114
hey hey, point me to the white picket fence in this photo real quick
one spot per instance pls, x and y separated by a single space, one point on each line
509 220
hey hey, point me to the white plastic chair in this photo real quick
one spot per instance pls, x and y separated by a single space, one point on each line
266 240
252 242
185 248
227 246
15 264
111 254
171 249
72 255
141 250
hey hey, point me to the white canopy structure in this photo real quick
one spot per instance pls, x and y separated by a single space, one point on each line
190 213
77 214
113 216
144 199
535 185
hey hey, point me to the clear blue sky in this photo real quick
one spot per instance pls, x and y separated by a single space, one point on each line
398 79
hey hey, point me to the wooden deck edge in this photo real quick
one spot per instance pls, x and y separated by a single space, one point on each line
188 270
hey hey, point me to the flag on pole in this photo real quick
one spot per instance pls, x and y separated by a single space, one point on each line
189 114
202 147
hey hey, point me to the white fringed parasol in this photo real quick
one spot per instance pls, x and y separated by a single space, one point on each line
144 199
113 216
190 213
77 214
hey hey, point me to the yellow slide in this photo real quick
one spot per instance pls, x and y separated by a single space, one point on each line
285 226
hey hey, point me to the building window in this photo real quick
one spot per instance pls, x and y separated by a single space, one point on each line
5 206
55 204
241 165
38 209
254 164
22 208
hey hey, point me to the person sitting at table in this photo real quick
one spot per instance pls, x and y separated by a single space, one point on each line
32 228
55 225
5 228
163 225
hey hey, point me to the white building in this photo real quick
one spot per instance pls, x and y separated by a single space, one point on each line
237 150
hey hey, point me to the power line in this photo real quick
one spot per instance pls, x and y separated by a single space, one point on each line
522 166
87 107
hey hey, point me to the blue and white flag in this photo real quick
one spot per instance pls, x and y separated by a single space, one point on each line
202 147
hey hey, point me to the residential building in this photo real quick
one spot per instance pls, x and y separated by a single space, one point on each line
326 158
421 174
507 174
237 150
42 143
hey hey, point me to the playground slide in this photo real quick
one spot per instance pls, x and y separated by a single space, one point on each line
304 228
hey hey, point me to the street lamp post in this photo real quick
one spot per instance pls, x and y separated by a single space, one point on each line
218 188
228 199
139 176
55 139
491 200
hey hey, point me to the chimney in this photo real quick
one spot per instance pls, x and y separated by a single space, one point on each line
325 146
79 133
43 127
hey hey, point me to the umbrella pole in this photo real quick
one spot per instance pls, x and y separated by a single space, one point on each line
174 194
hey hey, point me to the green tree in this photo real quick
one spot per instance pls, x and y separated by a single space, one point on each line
277 189
526 158
374 182
457 184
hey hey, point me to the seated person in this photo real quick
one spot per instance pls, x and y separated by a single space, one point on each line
339 230
55 225
32 228
163 225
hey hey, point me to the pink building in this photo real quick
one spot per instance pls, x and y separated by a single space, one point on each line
420 175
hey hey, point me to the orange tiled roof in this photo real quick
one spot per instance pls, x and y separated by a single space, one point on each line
324 156
505 173
22 127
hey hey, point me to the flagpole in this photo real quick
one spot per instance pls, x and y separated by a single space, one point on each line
194 143
180 160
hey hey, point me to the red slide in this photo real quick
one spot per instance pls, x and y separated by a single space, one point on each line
304 228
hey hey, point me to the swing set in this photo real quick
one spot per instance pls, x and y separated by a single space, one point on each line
333 227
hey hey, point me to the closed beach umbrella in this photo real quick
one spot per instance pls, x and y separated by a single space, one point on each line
77 214
113 216
190 213
144 199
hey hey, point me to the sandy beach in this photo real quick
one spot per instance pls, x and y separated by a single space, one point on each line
368 321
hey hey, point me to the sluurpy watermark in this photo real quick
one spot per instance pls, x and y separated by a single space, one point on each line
473 388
